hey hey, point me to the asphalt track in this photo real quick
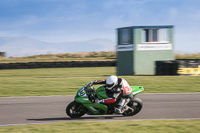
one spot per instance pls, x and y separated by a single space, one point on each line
50 109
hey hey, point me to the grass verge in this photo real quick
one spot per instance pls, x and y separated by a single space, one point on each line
145 126
188 56
81 56
66 81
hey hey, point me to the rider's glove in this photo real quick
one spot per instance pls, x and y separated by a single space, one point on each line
99 101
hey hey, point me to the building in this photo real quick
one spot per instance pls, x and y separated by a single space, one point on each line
139 47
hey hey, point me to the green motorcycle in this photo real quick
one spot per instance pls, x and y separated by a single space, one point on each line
83 104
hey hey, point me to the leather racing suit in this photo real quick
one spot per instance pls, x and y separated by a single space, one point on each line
122 88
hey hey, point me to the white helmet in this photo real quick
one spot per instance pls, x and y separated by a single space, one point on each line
111 82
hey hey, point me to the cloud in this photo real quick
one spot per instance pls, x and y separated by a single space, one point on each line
69 20
173 12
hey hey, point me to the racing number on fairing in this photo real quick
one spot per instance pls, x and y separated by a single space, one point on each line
127 89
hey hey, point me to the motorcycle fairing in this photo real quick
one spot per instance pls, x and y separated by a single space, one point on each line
96 108
137 89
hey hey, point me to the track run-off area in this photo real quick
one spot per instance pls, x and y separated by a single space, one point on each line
50 109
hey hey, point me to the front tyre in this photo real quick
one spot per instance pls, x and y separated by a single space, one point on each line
75 110
135 105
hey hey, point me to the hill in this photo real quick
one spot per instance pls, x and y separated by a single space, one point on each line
24 46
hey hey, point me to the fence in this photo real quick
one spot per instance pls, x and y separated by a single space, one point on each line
178 67
171 67
56 64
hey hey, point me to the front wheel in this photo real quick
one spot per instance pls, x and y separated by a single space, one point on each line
135 105
75 110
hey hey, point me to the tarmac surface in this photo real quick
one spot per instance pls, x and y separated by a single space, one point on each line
50 109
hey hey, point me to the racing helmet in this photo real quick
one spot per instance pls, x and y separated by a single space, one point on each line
111 82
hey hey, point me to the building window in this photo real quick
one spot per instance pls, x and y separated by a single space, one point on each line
155 35
125 36
164 35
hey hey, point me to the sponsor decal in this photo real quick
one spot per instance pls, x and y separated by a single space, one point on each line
154 47
128 47
92 108
85 99
189 71
136 92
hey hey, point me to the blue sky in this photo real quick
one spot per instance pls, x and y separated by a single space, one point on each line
78 20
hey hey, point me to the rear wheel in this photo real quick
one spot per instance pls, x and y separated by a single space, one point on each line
135 105
75 110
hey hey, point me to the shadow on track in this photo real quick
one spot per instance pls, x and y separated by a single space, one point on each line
82 118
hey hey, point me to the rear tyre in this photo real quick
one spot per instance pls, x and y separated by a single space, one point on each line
136 105
75 110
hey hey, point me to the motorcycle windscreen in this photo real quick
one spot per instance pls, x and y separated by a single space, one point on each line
81 96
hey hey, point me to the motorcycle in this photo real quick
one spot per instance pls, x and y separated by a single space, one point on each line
83 102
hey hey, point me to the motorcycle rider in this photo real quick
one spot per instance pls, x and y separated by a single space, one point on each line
114 87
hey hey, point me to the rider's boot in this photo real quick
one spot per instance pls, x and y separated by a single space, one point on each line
120 108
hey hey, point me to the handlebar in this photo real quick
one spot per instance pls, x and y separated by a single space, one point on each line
89 87
89 84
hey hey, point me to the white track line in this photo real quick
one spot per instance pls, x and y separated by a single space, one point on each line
6 125
139 94
171 93
34 96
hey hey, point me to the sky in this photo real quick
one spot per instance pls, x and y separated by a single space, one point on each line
79 20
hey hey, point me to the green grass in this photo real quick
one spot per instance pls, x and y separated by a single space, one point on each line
145 126
66 81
